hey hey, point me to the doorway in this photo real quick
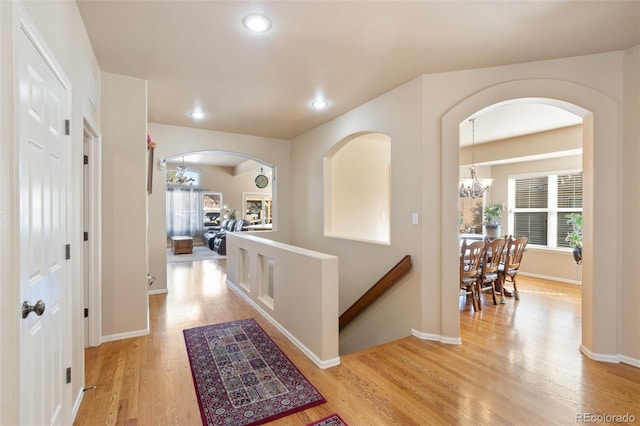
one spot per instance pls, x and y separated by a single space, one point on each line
43 148
92 219
600 126
531 152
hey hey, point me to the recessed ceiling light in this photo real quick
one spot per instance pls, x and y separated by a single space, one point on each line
257 23
197 115
319 104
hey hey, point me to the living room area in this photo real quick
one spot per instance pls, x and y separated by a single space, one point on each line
210 193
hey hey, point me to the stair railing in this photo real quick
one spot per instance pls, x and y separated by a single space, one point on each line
374 293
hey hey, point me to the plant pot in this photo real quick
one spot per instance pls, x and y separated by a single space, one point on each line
577 255
491 231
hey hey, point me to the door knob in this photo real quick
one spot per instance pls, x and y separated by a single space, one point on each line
38 308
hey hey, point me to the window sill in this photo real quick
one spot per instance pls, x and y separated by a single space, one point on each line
567 250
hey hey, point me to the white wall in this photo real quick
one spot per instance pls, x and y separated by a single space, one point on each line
172 141
125 305
629 332
62 29
397 115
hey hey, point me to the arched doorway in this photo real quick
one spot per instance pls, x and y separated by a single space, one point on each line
227 179
600 117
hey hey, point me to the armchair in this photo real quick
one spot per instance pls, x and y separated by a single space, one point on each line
209 237
220 239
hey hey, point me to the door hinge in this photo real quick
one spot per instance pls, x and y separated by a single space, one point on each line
86 236
85 160
67 251
67 127
68 375
86 312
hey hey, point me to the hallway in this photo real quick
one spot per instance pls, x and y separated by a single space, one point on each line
519 364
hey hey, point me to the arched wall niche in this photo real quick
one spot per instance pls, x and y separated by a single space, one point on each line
600 156
357 189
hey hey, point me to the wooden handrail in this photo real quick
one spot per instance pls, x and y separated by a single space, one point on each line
378 289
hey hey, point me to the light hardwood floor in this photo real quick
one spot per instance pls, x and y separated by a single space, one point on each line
519 364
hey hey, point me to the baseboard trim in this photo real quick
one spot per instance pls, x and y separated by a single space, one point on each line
547 277
158 291
76 404
631 361
121 336
436 337
614 359
323 364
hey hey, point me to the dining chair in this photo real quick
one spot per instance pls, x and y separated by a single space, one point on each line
488 277
470 260
508 269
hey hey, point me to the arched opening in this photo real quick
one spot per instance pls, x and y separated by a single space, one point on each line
205 188
532 151
600 118
357 174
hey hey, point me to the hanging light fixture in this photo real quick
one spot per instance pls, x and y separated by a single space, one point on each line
182 166
474 187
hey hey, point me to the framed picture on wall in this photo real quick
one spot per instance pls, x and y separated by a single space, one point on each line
211 202
256 208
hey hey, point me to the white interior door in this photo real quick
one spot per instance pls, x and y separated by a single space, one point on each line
41 112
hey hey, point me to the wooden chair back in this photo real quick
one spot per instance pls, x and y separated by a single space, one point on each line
493 256
471 256
513 258
489 272
470 260
514 253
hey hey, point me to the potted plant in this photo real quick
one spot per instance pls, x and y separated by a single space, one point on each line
491 219
574 237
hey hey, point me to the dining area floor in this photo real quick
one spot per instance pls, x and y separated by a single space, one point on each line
519 363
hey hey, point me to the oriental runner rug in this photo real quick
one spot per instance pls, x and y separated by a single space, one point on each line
241 377
332 420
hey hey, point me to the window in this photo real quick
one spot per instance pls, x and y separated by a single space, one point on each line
539 205
183 177
470 215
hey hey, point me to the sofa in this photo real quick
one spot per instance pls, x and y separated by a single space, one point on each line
216 240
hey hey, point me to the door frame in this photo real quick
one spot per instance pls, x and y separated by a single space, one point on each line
92 203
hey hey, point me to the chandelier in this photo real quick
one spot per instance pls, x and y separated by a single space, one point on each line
474 187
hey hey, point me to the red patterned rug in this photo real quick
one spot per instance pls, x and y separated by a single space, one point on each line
332 420
242 378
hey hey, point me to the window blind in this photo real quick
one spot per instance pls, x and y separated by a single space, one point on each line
569 201
532 193
541 204
570 191
532 225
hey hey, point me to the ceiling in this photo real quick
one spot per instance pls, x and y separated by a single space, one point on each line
198 55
